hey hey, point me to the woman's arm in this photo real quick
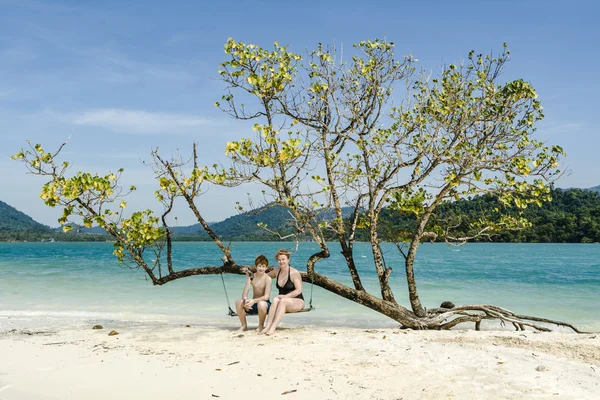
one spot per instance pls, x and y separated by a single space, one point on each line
273 272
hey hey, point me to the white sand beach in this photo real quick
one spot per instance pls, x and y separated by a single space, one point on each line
152 361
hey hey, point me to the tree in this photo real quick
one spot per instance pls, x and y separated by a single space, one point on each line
328 135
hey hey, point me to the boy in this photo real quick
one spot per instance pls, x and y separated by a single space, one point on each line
261 292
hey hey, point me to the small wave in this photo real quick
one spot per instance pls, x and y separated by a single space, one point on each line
83 315
56 314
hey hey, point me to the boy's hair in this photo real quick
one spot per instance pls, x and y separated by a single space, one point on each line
282 252
261 260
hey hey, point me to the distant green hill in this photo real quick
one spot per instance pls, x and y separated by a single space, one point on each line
241 227
573 216
96 230
595 189
245 226
236 228
13 220
17 226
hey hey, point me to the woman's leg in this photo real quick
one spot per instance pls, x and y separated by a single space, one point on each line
241 314
272 311
285 305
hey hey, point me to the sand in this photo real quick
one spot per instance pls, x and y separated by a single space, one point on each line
154 361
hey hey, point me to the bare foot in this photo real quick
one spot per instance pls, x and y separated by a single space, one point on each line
242 329
269 333
260 328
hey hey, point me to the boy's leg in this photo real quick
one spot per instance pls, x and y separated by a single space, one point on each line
262 314
241 314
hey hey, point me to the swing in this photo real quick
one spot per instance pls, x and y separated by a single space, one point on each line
232 313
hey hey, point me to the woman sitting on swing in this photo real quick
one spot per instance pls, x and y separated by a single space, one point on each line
290 299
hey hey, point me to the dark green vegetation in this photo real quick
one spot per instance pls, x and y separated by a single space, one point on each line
17 226
244 227
595 189
270 223
573 216
12 220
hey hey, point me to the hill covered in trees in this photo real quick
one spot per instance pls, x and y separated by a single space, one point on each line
13 220
595 189
244 227
275 222
573 216
18 226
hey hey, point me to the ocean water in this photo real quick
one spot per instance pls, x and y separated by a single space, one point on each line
45 284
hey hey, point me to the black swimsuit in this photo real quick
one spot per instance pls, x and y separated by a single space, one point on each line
288 286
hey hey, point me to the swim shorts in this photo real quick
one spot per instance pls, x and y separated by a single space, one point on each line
254 309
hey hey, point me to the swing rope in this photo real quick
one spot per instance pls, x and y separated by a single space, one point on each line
312 285
231 312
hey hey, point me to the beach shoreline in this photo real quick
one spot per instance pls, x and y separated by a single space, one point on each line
156 361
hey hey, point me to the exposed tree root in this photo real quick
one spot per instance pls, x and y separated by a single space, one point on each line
446 318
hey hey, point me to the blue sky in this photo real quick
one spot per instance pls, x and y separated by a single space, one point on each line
120 78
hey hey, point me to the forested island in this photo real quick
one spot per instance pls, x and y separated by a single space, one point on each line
573 216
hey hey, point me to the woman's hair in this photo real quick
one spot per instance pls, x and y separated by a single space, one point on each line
261 260
282 252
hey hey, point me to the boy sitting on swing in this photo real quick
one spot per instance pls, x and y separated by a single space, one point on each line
261 292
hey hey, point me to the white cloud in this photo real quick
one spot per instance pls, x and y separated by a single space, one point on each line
140 122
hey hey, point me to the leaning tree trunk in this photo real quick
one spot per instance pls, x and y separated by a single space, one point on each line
434 319
413 295
437 318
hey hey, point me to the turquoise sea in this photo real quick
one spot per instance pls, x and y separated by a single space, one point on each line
46 284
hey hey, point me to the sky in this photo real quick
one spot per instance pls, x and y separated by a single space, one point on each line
118 79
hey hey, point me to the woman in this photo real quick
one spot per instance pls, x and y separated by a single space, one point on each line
290 299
